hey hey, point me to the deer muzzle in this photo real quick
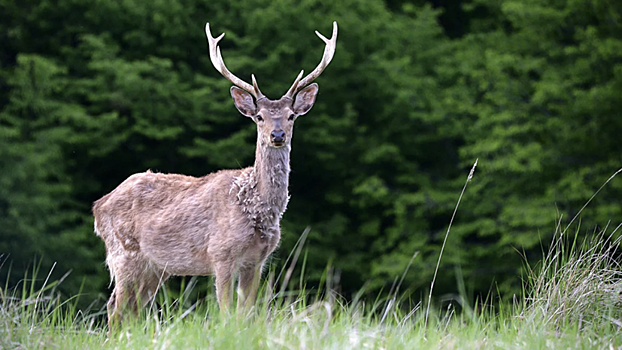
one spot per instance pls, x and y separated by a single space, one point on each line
277 137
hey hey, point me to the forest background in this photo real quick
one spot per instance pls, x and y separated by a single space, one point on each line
92 91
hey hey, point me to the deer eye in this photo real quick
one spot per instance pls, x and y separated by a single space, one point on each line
291 117
259 118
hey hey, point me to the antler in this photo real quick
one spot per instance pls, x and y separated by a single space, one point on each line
329 52
219 64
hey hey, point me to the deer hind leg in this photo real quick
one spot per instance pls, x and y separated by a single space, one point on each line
118 303
248 284
113 314
136 285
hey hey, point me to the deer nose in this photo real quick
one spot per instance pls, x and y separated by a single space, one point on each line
278 136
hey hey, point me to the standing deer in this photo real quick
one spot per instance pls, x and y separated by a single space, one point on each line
225 223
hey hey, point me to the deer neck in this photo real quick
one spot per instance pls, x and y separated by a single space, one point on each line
261 191
272 175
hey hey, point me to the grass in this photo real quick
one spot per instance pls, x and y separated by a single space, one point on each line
578 287
574 302
571 300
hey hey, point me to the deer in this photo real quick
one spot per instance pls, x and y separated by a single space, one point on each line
224 224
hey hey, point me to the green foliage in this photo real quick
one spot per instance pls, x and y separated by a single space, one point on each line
38 212
532 98
94 91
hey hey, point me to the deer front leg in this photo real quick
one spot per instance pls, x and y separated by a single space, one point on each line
224 277
247 286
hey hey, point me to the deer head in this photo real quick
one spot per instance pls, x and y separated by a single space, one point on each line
274 118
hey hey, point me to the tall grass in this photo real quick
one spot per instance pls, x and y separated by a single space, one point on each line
572 300
548 317
578 283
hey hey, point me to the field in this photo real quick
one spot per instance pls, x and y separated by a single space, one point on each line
572 300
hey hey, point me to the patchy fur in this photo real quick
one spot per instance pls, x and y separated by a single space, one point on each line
225 223
156 225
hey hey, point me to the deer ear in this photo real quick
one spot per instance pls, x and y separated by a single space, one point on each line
243 102
305 99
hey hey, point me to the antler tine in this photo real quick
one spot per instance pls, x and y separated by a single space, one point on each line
292 90
255 86
219 64
329 52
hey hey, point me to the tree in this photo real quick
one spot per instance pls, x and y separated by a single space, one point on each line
96 91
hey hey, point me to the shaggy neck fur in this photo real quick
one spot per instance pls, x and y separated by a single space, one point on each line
262 191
